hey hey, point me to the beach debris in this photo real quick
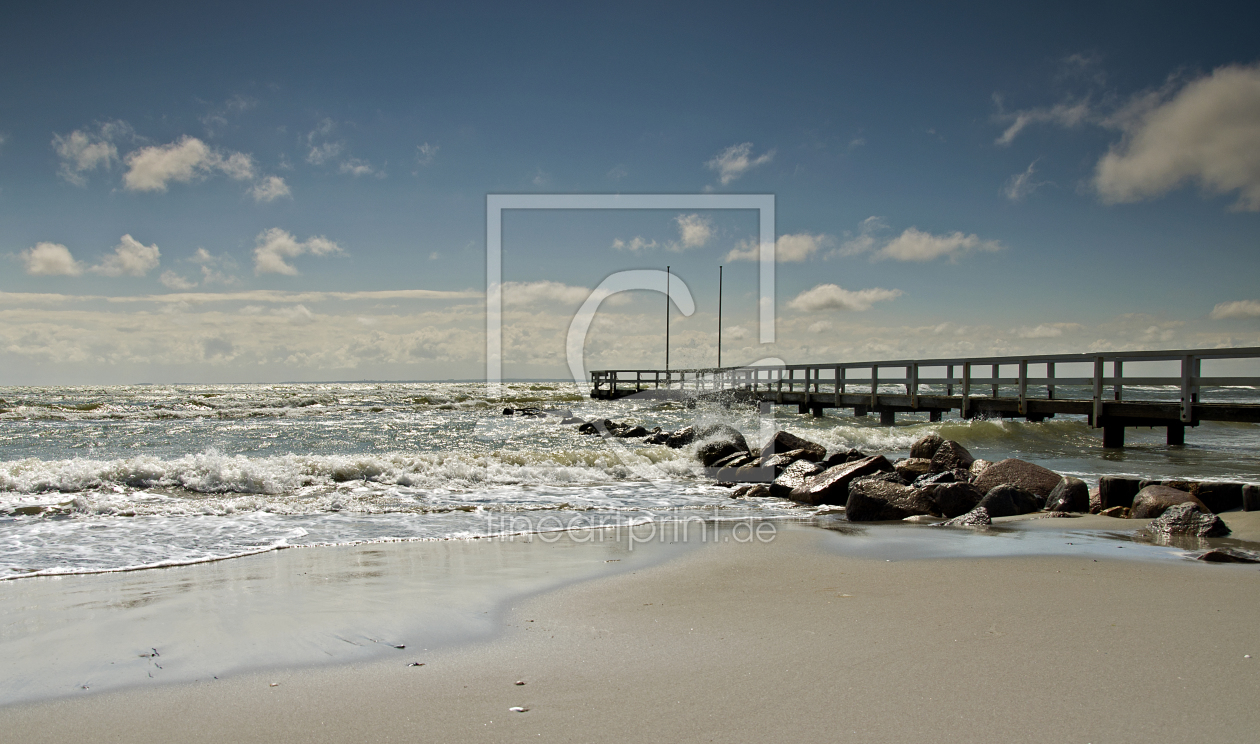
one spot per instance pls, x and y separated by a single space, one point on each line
1069 495
1229 555
978 517
925 447
1015 472
920 519
519 682
518 709
1119 512
1187 519
153 653
416 664
951 456
274 684
1154 500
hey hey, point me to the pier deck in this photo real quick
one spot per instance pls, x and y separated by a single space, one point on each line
1112 390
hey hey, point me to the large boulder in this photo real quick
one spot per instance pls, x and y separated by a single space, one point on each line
879 500
783 459
1116 490
913 467
713 452
951 455
1187 519
832 485
633 432
978 517
723 432
1153 501
840 457
1007 500
783 441
793 476
1070 495
926 446
1016 472
681 438
954 499
948 476
1218 497
978 467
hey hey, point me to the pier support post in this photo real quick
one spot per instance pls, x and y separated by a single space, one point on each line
934 415
859 410
1176 435
802 408
887 417
1113 436
816 410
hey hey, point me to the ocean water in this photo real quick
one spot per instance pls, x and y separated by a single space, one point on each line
113 478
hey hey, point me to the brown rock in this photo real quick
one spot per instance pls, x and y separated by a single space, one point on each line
1009 500
792 477
1071 495
926 446
913 467
1229 555
1116 490
783 441
876 500
1016 472
1095 501
1153 501
950 456
954 499
978 467
832 485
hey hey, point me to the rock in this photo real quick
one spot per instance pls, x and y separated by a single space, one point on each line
588 428
1187 519
1119 512
1218 497
793 476
1070 495
1115 490
926 446
877 500
840 457
757 491
832 485
508 411
1057 515
1153 501
710 453
1016 472
739 491
954 499
1229 555
681 438
724 432
634 432
950 456
733 461
1095 501
1008 500
783 441
659 437
978 517
1251 498
572 420
921 519
948 476
913 467
977 468
783 459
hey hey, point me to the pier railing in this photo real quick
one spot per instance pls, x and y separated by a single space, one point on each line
1099 379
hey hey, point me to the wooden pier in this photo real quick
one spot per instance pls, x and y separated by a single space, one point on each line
1113 390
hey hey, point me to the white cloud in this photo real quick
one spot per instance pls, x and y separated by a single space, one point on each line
1236 309
171 280
916 245
50 259
1207 132
322 153
1046 330
736 332
275 245
153 168
1022 184
1063 114
787 249
130 257
269 189
357 167
821 326
425 153
693 230
635 244
617 172
832 297
530 293
737 160
81 152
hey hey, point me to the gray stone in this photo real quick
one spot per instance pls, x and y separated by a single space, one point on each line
1153 501
878 500
954 499
1015 472
783 441
951 456
1007 500
1070 495
1115 490
832 485
1187 519
793 476
978 517
926 446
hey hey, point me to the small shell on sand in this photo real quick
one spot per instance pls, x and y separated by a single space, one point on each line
518 709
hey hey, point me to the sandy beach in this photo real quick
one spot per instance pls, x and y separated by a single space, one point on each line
814 635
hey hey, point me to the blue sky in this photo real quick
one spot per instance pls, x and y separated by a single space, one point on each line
260 191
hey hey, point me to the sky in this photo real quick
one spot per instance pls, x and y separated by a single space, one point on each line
264 192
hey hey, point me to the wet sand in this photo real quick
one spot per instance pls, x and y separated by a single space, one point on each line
813 636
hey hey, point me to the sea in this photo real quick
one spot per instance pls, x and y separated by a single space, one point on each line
106 479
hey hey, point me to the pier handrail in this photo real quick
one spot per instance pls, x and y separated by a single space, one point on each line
834 378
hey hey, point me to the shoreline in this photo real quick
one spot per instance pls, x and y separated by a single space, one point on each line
765 600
